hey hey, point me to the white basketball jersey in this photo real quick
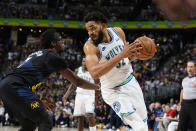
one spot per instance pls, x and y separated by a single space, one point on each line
109 50
189 88
86 76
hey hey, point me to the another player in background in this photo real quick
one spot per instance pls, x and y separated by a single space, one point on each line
16 88
107 53
84 101
188 99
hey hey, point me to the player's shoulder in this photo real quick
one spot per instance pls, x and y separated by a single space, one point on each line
89 42
51 55
118 29
188 77
50 52
47 51
78 70
90 47
38 53
185 79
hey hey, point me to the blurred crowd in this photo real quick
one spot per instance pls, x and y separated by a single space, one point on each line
116 10
163 117
175 70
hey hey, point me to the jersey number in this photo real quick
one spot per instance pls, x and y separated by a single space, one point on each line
121 63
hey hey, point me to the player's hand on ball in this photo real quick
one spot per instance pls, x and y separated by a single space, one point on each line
131 50
149 48
137 53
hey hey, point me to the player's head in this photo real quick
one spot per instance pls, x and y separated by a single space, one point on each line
84 63
191 70
95 24
52 39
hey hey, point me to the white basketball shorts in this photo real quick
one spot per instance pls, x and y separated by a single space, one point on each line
126 99
84 104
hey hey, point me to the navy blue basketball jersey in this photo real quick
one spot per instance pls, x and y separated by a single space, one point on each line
38 66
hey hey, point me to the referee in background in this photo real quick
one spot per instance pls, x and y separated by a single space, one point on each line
188 99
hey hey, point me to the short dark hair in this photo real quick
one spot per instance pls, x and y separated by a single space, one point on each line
47 37
95 16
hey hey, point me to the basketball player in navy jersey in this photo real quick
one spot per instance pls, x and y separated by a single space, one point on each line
16 88
188 99
107 54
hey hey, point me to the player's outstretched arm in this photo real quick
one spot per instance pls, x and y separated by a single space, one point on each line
181 95
77 81
71 89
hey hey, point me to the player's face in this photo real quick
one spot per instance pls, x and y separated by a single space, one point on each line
84 63
191 68
95 31
60 44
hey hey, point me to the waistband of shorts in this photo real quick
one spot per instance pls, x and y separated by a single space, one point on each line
129 78
193 100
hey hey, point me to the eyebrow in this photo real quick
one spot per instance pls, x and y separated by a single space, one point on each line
91 25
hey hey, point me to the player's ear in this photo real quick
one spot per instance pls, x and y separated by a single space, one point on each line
103 25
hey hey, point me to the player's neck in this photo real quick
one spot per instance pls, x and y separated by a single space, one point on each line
84 69
107 38
191 74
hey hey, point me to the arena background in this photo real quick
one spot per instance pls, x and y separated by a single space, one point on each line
22 22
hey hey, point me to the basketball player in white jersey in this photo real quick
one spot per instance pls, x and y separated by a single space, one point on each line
107 55
84 101
188 99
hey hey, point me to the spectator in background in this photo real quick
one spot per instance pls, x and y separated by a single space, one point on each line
2 114
169 114
151 116
173 125
67 115
100 112
164 121
57 113
114 121
159 113
171 102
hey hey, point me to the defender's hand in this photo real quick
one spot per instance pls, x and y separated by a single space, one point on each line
48 105
97 87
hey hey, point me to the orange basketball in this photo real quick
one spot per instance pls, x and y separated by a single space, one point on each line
149 48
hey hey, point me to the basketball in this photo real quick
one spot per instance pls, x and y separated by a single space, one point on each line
149 48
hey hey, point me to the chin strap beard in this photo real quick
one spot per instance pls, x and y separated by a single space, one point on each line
100 38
